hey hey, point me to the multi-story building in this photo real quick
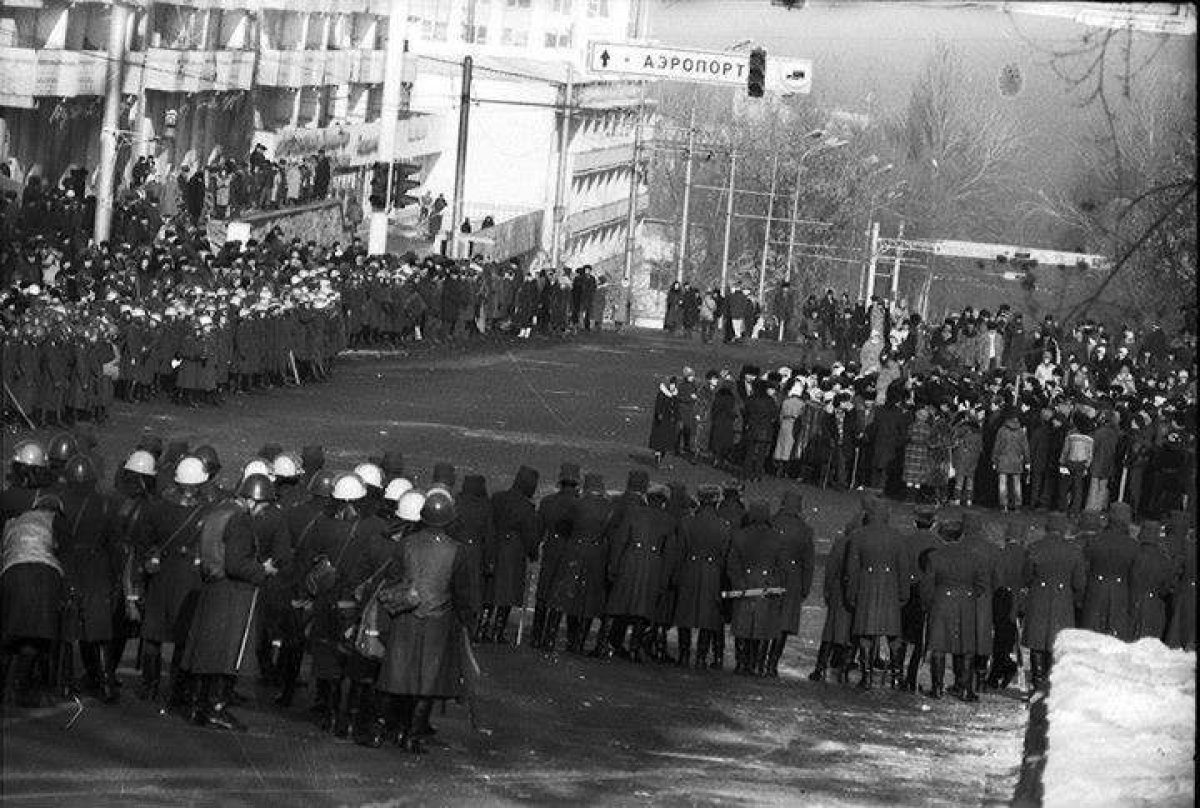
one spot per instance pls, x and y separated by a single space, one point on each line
301 74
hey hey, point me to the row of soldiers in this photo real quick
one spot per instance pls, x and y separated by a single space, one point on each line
977 589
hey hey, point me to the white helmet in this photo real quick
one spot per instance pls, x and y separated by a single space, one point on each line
410 505
370 474
396 489
30 453
348 488
258 467
286 466
140 462
440 488
190 471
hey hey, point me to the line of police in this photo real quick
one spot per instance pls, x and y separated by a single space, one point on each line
305 560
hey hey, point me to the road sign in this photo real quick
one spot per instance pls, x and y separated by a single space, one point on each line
784 75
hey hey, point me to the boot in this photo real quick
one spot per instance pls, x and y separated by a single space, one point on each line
937 675
761 650
818 673
603 647
410 741
108 679
685 647
23 666
637 642
182 689
347 726
867 680
572 634
841 661
741 657
537 632
718 646
291 657
333 707
972 681
217 716
550 629
500 624
483 631
867 656
616 638
774 654
914 667
703 644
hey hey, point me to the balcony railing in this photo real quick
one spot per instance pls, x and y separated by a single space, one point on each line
603 158
191 71
603 215
26 73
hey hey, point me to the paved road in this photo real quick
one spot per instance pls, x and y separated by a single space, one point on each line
561 729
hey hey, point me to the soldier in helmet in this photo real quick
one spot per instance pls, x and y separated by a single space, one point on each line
213 491
233 566
704 545
31 593
29 474
91 562
135 493
429 599
61 448
554 513
167 557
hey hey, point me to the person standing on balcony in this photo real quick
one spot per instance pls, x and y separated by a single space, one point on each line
321 174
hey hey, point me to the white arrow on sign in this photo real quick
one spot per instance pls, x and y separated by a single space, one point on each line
784 76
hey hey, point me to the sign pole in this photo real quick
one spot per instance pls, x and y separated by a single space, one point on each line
560 182
681 248
762 268
896 265
106 181
389 113
631 217
872 259
728 224
460 159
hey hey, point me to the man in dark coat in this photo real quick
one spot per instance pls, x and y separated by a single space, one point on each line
554 514
888 432
321 172
580 586
796 558
877 579
918 545
222 632
91 567
1151 581
704 545
1055 576
977 537
474 531
760 421
1110 559
835 649
754 563
515 545
636 549
952 584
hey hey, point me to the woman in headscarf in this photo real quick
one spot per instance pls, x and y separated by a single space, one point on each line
666 420
785 442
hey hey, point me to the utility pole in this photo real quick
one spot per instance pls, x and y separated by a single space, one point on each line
896 265
762 268
389 115
792 229
872 257
681 248
118 21
631 215
560 184
728 223
460 156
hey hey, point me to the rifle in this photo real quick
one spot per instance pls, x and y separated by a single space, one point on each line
763 592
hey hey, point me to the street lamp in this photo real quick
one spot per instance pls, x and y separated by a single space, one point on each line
826 145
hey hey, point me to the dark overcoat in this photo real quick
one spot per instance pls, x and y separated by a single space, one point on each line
953 585
635 562
515 542
581 586
1106 600
796 557
1055 577
91 560
704 546
877 580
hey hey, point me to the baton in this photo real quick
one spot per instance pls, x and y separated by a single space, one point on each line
753 593
854 473
246 633
17 404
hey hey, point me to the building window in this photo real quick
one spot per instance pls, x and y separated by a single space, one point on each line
476 34
431 18
562 6
597 8
558 39
519 3
515 37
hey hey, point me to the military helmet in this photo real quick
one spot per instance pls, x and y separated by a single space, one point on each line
80 470
257 467
397 488
62 447
321 484
208 456
348 488
190 471
140 462
410 505
257 487
286 465
30 453
369 474
438 510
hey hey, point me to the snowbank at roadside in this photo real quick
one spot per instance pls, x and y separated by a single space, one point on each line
1122 723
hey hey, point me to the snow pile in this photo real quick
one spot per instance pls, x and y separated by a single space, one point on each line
1122 723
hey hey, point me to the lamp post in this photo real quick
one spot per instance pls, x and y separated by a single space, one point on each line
826 145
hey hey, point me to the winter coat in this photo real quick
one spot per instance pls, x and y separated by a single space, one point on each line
953 585
753 563
837 616
581 586
890 428
1055 575
554 515
1010 453
704 545
1105 443
918 459
722 432
91 562
988 555
1181 629
1150 582
796 558
426 646
877 580
785 442
665 427
514 544
1110 559
223 632
172 535
31 590
635 561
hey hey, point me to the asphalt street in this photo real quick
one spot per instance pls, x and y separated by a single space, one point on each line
555 729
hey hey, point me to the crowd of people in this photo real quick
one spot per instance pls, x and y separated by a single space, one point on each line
386 587
164 314
970 411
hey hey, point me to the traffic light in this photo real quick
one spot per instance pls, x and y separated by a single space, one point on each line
756 76
379 178
404 180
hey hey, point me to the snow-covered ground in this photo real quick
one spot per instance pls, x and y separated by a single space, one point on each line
1122 723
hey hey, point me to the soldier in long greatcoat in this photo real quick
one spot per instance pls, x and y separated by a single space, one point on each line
835 649
554 512
1055 576
952 585
754 563
1110 559
634 569
580 585
1150 582
796 556
704 545
877 578
514 545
